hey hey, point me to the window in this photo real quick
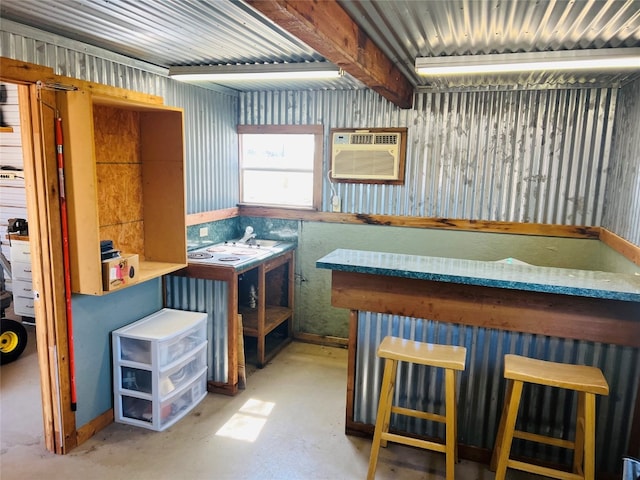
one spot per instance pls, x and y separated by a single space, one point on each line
281 165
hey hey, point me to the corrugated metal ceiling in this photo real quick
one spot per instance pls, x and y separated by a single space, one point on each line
408 29
199 32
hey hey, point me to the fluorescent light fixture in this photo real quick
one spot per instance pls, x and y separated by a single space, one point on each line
572 60
272 71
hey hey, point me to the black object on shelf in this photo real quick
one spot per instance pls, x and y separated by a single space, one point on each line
18 226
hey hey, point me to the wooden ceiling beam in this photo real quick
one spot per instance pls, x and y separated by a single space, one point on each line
328 29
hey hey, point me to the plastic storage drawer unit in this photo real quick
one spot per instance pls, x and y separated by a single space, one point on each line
160 368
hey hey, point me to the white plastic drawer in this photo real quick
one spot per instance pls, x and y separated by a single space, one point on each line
178 405
23 288
178 376
137 409
21 271
171 350
24 306
136 379
20 251
135 350
141 380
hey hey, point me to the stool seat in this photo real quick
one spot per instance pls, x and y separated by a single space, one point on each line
585 380
581 378
443 356
449 357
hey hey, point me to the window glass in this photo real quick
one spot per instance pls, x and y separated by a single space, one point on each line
278 168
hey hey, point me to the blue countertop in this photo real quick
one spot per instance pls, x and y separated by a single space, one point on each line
250 262
279 249
507 273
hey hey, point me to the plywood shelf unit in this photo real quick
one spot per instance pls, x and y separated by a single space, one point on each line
124 175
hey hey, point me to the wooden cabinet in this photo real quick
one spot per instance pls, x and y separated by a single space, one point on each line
124 175
267 326
272 282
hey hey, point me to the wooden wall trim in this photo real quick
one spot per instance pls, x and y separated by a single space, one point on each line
617 243
44 339
210 216
45 237
517 228
325 340
94 426
23 72
620 245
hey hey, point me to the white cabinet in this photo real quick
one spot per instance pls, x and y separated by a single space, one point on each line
159 368
21 278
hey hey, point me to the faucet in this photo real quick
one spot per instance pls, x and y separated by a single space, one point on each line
248 235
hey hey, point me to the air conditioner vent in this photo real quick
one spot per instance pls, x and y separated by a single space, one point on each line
361 139
368 156
383 139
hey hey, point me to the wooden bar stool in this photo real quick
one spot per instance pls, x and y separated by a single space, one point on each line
587 381
451 358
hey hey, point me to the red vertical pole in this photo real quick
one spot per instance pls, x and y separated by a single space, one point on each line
65 253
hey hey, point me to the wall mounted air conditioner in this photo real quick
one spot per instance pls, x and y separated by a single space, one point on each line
373 155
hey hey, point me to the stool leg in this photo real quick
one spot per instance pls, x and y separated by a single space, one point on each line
589 436
388 404
500 434
451 447
384 413
503 448
578 448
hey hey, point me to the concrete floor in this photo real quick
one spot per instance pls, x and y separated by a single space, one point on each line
287 424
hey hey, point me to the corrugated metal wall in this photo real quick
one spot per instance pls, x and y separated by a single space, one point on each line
210 117
211 146
543 410
533 156
210 150
622 207
537 156
210 296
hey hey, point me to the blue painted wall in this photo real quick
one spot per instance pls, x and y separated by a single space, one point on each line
94 318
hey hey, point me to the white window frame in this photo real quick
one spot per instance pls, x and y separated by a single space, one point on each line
316 130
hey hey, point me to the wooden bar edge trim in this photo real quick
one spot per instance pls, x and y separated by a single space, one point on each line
539 229
210 216
94 426
579 318
623 247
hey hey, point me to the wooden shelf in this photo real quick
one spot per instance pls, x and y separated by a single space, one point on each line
124 173
149 270
274 316
6 129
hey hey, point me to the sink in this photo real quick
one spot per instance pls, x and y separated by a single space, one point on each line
267 243
258 242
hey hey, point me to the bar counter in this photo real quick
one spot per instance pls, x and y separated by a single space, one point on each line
492 308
